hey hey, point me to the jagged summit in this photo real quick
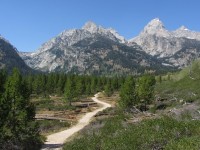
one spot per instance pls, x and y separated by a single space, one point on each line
154 25
94 28
90 26
77 47
173 46
183 28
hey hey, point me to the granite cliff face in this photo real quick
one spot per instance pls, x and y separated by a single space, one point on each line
176 48
95 49
91 50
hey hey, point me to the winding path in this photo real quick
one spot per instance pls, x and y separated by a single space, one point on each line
55 141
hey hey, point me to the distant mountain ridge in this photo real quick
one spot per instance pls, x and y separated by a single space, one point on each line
72 50
170 46
91 50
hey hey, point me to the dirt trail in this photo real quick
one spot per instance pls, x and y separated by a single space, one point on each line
55 141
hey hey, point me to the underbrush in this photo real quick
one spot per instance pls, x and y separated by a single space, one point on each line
116 134
48 126
186 90
183 85
51 105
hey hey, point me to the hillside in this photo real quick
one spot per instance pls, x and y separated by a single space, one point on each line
9 57
183 86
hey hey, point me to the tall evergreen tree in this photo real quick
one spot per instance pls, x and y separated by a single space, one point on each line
146 89
114 83
61 84
3 75
94 85
128 95
108 88
17 125
88 89
70 90
79 86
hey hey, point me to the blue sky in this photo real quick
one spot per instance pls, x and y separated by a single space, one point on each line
29 23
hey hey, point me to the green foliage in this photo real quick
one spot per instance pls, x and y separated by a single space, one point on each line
17 113
94 85
134 92
188 143
128 95
17 126
108 90
51 105
183 85
159 78
70 90
163 133
10 59
146 88
80 87
3 76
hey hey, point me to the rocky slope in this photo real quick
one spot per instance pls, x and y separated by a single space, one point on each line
177 48
91 50
94 49
9 57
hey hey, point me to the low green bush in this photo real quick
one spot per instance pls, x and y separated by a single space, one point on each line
117 134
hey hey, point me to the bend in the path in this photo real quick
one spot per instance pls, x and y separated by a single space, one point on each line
56 140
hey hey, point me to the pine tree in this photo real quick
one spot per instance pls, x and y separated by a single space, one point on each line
70 90
108 88
50 83
128 96
99 84
114 83
146 89
36 84
3 75
61 84
88 89
94 85
79 87
17 125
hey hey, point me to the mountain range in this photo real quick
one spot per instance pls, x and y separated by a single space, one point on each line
94 49
176 48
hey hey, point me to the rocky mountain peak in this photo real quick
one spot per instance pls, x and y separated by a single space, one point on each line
186 33
183 28
90 26
108 32
154 25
